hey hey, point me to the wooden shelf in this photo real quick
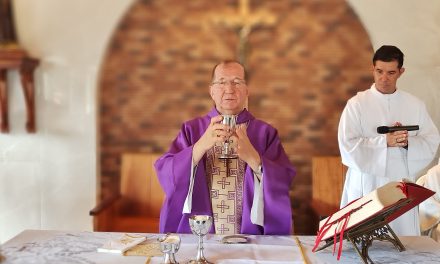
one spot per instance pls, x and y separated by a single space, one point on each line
17 59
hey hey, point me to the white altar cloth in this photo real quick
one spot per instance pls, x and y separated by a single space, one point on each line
43 246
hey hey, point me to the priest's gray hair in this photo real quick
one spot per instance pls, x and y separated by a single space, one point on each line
226 62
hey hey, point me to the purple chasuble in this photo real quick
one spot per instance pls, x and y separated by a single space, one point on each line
174 168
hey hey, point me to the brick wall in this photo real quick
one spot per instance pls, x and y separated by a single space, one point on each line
303 68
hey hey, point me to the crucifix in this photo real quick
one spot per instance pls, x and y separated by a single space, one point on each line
244 22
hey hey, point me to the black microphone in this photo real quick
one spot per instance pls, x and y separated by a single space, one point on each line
386 129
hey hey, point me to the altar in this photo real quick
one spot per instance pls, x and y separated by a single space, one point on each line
45 246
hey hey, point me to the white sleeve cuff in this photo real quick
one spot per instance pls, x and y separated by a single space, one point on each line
257 210
187 206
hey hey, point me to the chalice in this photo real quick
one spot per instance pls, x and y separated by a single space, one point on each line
200 226
227 152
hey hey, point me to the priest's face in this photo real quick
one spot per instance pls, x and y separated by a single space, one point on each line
386 75
228 89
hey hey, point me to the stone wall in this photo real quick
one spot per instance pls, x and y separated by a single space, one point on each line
303 68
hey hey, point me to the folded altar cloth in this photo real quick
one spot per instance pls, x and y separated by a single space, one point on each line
122 244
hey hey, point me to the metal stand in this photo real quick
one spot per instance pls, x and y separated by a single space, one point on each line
377 228
362 242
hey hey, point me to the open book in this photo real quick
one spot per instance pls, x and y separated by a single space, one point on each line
373 211
122 244
404 195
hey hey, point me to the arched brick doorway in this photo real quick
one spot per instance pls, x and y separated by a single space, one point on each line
303 69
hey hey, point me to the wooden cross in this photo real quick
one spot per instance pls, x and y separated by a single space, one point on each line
243 23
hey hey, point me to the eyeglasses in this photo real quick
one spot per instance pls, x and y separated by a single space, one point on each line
234 83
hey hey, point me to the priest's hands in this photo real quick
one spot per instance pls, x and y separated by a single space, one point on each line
218 133
215 133
397 138
245 149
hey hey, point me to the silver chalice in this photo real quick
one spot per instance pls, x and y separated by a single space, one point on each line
227 151
200 226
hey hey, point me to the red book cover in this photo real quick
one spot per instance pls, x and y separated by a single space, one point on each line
416 194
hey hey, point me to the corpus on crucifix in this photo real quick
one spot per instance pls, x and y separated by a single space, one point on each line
244 22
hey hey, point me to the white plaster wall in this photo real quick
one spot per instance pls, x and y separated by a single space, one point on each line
48 179
414 27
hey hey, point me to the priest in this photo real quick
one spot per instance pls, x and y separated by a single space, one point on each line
246 195
375 159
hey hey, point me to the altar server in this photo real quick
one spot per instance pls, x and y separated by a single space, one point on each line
375 159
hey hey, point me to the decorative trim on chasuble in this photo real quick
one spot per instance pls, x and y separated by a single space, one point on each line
225 181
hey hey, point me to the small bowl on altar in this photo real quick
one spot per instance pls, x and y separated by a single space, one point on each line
169 245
